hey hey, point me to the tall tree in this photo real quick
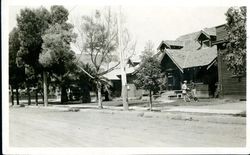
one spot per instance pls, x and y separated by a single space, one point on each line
148 75
235 55
57 57
32 24
16 74
98 38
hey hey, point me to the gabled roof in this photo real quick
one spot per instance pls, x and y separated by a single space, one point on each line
114 74
196 58
173 42
204 34
221 34
169 43
192 55
210 31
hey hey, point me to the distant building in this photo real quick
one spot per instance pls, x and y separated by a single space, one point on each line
115 77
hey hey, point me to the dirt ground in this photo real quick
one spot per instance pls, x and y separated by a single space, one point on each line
30 127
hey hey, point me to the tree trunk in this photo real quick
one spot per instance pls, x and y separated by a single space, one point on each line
99 92
45 89
37 96
64 96
125 97
150 99
85 95
28 93
17 96
12 95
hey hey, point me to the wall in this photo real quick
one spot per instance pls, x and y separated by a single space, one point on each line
229 85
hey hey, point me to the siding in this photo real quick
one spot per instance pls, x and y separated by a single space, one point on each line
220 33
230 86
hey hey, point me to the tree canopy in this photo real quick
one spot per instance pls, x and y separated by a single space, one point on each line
32 24
98 38
16 74
148 75
235 55
57 57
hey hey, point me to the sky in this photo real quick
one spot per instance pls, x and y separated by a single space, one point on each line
155 23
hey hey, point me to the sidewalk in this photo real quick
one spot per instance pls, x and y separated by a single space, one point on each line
223 109
235 109
238 108
221 113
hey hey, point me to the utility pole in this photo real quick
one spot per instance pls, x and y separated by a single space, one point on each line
122 64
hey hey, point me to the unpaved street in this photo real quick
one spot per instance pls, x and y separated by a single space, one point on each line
31 127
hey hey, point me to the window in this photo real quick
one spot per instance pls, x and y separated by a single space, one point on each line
206 43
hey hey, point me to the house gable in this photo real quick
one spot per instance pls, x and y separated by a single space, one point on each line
205 39
170 44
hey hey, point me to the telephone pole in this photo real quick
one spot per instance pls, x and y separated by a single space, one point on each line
122 64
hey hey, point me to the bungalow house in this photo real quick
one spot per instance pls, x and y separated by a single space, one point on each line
115 77
196 57
229 85
191 57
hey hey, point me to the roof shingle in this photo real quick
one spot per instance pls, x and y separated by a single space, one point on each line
192 55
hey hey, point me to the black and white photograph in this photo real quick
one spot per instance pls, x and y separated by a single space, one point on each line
86 77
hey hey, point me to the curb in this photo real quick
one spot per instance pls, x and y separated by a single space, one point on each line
224 119
173 115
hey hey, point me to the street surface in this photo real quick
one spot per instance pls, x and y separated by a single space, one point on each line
34 127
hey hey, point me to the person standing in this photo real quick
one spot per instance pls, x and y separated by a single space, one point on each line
193 89
184 91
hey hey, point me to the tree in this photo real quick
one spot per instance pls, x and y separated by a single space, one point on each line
149 76
148 50
32 24
98 38
126 49
16 74
235 55
85 82
57 56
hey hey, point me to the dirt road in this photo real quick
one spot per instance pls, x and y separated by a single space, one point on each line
31 127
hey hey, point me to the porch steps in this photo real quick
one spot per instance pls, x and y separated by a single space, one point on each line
167 96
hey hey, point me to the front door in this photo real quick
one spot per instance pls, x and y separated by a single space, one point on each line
173 81
170 81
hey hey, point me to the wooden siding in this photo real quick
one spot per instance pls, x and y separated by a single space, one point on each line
221 33
173 74
229 85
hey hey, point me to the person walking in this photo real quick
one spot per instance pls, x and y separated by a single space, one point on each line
193 91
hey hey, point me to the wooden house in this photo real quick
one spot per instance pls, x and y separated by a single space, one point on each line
228 84
191 57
